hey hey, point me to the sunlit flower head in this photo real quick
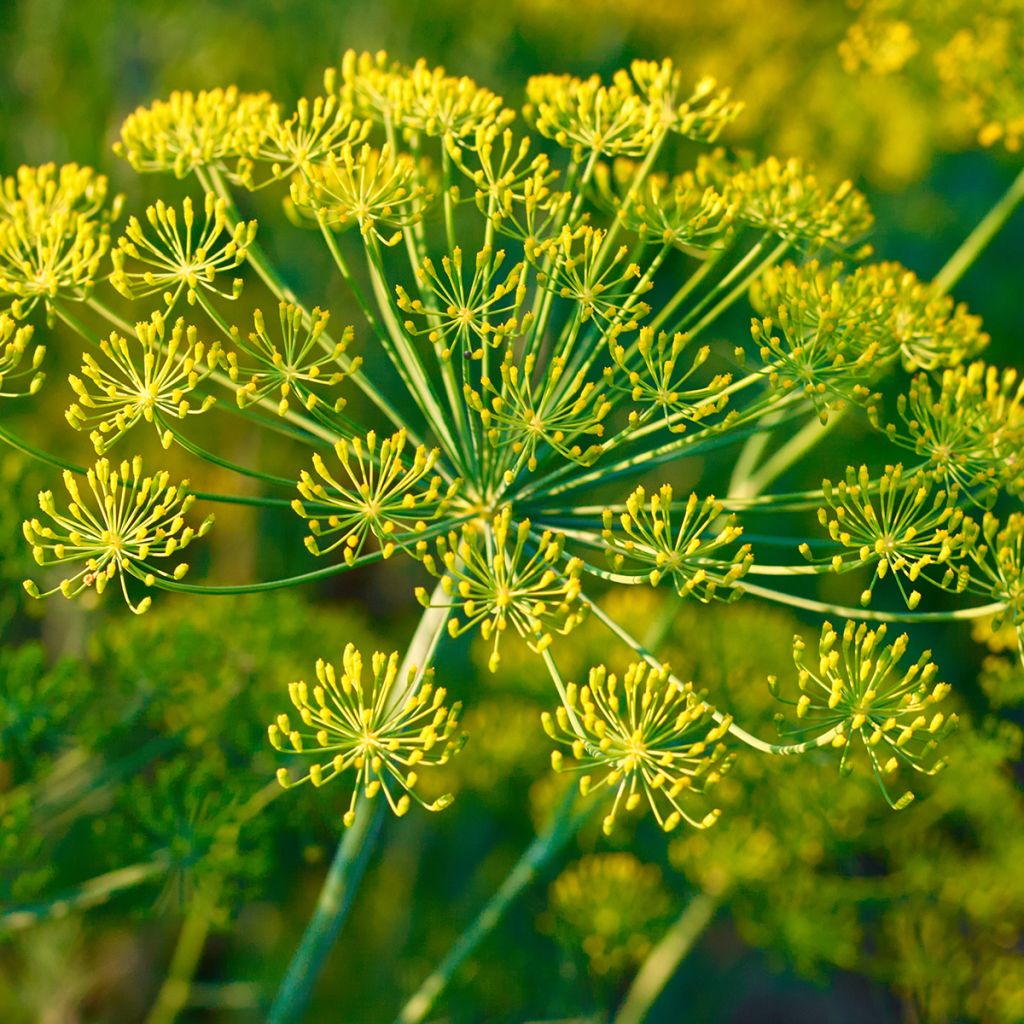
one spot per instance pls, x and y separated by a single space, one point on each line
148 378
177 256
859 690
115 528
644 739
382 732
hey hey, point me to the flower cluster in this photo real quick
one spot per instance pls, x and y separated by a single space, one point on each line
178 257
381 494
54 234
905 527
643 542
859 690
192 130
384 733
969 424
609 905
149 378
647 738
500 573
129 520
542 394
373 189
304 365
649 372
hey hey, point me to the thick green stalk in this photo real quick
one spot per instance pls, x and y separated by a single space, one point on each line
560 829
332 908
665 958
972 246
353 851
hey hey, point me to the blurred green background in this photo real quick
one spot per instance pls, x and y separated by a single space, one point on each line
825 909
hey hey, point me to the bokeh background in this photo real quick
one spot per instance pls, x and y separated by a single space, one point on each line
141 735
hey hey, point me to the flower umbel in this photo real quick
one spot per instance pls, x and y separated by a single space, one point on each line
500 573
648 738
898 526
381 733
190 131
861 691
303 365
129 520
54 234
178 257
643 542
382 494
148 378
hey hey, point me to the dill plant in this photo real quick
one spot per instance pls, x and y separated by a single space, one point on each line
553 382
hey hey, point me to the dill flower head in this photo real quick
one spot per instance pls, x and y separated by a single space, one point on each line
820 332
646 739
374 189
15 343
505 574
860 690
997 550
643 542
416 99
435 103
381 493
382 733
969 423
931 331
786 198
147 378
629 116
191 131
176 256
660 384
600 284
548 303
903 527
122 522
524 414
679 211
303 366
464 316
609 905
54 234
291 145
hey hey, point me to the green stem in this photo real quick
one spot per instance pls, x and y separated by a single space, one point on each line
825 608
972 246
332 908
18 444
665 958
353 851
560 829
